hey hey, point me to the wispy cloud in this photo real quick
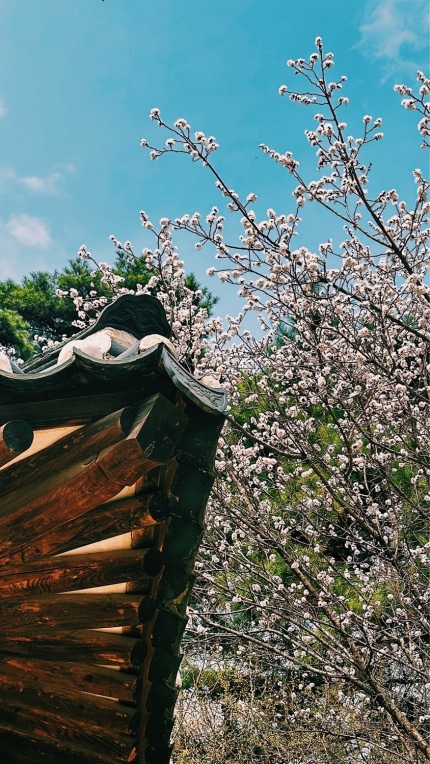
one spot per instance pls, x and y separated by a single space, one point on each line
47 185
3 108
38 184
28 231
27 244
394 31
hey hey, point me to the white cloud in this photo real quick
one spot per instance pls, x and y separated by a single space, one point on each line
3 108
40 185
48 184
393 30
29 231
26 245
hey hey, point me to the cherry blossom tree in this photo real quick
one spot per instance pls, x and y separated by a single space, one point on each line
313 578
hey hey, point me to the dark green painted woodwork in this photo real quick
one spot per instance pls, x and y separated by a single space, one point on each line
168 631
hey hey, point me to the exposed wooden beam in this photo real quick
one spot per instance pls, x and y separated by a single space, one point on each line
32 511
77 721
65 678
86 645
75 448
81 571
16 436
80 611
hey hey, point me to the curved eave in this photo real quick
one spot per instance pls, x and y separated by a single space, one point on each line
138 315
210 399
83 376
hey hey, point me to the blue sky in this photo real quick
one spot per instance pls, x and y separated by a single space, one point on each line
79 77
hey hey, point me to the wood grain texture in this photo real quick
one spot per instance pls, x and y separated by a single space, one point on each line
25 747
68 611
104 521
75 721
117 504
80 571
65 678
30 512
77 447
86 645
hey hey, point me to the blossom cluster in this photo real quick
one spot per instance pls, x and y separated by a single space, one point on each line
317 548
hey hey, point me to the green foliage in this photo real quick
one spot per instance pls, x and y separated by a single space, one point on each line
33 309
131 269
78 275
14 332
40 307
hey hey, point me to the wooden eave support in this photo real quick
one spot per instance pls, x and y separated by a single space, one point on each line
64 678
88 646
75 610
81 723
30 512
47 623
16 436
80 571
136 513
77 447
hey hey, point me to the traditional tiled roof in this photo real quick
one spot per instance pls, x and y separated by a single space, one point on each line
100 523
